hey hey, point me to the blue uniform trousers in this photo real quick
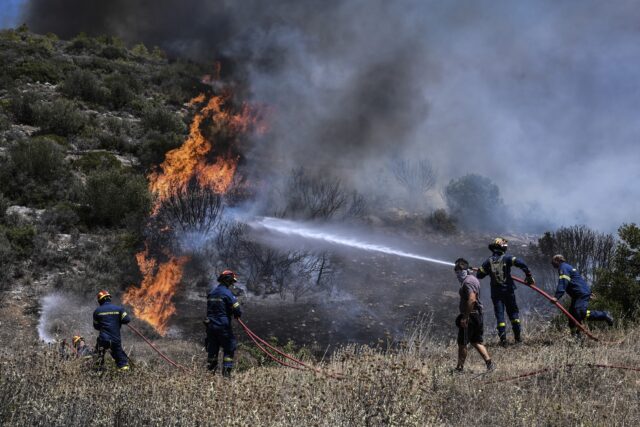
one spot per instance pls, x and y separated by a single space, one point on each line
506 299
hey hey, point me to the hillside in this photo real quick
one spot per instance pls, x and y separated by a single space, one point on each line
124 170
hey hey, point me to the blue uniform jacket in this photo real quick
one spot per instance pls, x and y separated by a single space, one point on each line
107 319
501 280
571 282
221 305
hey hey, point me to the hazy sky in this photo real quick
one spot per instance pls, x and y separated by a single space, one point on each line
541 96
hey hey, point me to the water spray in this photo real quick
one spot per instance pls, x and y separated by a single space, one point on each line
308 232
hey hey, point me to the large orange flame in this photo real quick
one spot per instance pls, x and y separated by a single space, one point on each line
197 161
152 300
192 160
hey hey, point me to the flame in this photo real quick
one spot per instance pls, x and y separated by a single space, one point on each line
192 160
196 161
152 300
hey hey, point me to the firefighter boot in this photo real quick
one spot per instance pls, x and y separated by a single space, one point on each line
212 365
226 371
608 318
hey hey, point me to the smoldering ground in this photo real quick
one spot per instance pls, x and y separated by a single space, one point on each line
538 96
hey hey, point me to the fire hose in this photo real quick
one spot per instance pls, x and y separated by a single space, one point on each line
301 365
567 366
564 311
165 357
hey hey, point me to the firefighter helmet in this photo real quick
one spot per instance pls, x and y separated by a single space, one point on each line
76 339
102 295
498 245
227 276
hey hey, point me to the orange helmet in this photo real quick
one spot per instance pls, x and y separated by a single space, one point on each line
76 339
227 275
102 295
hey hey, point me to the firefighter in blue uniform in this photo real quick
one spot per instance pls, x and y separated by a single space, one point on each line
570 281
221 306
503 295
107 319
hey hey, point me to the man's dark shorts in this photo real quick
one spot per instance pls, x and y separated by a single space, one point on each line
473 332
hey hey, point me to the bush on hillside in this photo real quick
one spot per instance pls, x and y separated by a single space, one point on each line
60 117
84 85
618 288
475 200
23 106
116 198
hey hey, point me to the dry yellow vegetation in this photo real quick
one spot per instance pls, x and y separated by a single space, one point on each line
412 385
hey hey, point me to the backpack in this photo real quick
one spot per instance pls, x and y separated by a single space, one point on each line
498 270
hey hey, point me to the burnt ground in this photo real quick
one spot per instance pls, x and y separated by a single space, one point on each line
378 298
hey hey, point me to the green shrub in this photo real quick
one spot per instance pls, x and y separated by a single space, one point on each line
38 71
82 43
84 85
23 106
115 197
475 200
35 172
39 159
62 216
20 238
60 117
155 145
442 222
113 52
162 120
97 160
618 288
122 89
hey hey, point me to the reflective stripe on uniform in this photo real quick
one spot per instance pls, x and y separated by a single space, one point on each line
236 305
564 276
588 313
501 325
124 314
481 270
513 260
106 313
515 321
228 359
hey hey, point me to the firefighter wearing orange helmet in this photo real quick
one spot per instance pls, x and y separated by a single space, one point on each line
108 318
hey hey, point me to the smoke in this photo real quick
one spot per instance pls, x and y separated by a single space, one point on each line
63 316
539 96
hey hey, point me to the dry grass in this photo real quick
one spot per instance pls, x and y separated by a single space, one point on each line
410 386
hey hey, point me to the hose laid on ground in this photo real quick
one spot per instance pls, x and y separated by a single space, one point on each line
255 338
165 357
567 366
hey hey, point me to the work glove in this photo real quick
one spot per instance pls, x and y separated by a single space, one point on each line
528 279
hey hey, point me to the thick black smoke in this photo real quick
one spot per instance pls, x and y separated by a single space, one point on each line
540 96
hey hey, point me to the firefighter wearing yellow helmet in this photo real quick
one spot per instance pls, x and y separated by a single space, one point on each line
498 267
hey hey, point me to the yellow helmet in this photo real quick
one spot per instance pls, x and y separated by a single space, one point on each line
499 244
